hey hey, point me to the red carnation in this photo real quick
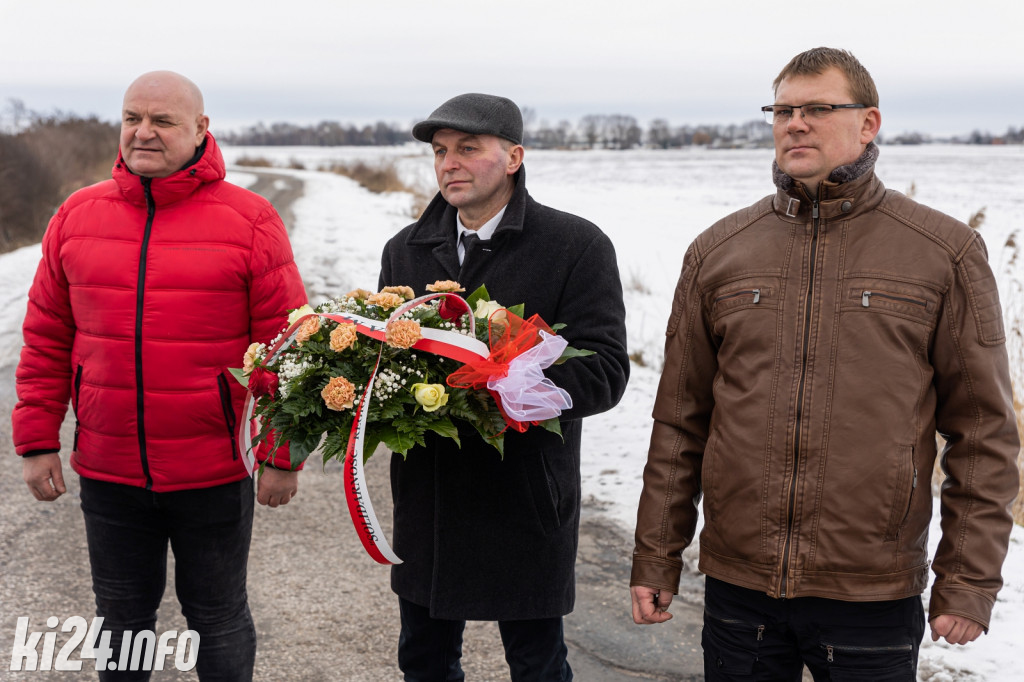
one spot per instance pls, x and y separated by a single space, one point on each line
262 382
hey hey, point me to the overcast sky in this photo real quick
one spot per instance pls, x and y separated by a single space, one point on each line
940 67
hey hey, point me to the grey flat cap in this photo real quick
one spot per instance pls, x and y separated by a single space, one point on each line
474 113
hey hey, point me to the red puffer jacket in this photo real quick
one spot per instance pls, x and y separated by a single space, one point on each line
148 290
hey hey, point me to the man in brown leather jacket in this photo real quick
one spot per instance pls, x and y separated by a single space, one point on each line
818 341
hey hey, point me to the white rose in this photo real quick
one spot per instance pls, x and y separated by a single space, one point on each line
484 310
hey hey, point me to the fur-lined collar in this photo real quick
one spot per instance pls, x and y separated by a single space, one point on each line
840 175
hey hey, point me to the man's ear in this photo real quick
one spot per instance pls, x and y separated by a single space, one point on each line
202 125
872 124
515 159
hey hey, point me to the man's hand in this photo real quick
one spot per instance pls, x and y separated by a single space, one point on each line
650 605
955 629
277 487
44 475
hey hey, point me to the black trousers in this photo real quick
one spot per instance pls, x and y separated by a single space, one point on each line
430 649
750 636
209 529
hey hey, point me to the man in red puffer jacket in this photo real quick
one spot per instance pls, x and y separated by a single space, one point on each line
150 286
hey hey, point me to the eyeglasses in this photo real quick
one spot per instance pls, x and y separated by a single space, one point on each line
782 113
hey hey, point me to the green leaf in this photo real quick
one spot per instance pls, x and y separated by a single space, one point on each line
370 444
571 352
552 425
396 441
499 443
239 374
302 447
479 295
517 309
446 428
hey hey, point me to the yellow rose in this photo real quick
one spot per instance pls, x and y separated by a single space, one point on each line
484 310
430 396
339 394
343 336
249 359
299 312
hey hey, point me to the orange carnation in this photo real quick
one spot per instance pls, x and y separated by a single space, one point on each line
309 326
445 285
386 300
359 294
405 292
343 336
403 333
339 394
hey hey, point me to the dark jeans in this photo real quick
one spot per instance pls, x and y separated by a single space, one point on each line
430 649
750 636
209 529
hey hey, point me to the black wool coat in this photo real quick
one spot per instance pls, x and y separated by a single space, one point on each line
486 538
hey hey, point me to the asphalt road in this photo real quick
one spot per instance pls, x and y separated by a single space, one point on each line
324 610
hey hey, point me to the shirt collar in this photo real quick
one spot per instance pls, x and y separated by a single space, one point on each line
486 230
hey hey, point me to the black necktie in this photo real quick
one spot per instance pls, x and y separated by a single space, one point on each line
468 239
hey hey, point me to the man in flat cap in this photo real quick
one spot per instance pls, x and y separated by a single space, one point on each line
486 537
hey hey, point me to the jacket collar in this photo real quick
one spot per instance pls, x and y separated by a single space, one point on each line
849 190
208 167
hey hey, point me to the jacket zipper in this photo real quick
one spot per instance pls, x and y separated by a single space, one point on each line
865 299
139 296
229 412
791 505
78 392
756 293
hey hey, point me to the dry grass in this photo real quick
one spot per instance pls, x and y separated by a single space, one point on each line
44 163
380 177
636 283
254 162
977 219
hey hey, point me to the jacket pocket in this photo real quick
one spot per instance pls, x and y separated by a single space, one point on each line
224 386
906 484
76 392
740 296
551 497
707 482
908 300
746 308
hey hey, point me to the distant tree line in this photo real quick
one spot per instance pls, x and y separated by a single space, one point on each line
44 158
593 131
323 134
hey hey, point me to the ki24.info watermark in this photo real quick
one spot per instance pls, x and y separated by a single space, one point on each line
142 650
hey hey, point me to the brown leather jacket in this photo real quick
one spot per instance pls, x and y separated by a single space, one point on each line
814 349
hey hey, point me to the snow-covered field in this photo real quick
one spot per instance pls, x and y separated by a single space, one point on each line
652 204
